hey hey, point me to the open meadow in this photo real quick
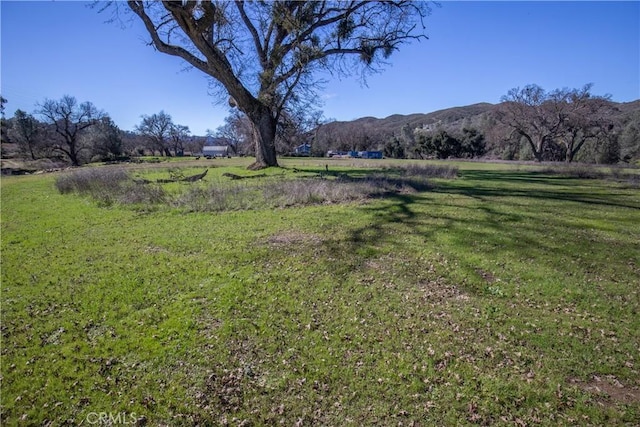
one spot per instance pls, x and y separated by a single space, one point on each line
326 292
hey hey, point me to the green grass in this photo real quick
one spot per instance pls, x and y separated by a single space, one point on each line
505 296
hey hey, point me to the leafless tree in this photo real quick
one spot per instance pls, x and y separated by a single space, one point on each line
585 118
179 134
565 118
531 115
156 130
237 130
265 54
26 131
69 120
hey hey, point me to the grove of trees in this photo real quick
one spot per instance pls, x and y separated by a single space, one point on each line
76 133
530 124
557 124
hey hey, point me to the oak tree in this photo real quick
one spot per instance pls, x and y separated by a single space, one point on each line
156 131
107 139
69 120
556 123
586 118
179 135
264 54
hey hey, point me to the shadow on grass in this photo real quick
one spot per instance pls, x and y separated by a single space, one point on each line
535 185
501 216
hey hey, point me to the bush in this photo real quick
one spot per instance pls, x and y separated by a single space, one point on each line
114 185
315 191
580 171
138 193
91 180
218 198
109 185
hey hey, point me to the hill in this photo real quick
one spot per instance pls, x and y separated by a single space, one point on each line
369 133
394 123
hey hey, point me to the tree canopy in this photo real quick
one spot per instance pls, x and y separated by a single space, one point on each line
69 120
264 54
561 120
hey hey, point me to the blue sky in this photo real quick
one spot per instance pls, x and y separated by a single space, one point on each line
476 52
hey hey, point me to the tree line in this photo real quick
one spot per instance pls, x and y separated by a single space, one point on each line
264 58
78 132
529 124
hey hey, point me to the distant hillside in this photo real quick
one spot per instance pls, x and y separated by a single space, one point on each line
374 133
370 133
397 121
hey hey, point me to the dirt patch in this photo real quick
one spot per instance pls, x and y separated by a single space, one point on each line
608 390
487 276
438 291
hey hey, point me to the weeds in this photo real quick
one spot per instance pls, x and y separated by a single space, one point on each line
91 180
429 171
585 171
217 198
108 186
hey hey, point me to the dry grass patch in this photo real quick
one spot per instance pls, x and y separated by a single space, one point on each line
439 291
609 390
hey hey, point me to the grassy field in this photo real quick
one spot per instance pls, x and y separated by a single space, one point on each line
506 296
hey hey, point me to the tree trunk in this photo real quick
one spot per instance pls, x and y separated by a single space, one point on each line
569 155
73 153
73 156
536 149
264 135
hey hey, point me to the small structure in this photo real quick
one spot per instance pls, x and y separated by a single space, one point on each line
340 154
211 151
303 150
371 154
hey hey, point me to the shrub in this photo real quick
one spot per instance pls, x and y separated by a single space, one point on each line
216 198
109 185
314 191
114 185
343 189
91 180
580 171
139 193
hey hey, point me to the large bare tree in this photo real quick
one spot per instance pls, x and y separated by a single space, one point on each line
565 117
531 114
264 54
156 131
179 136
69 120
585 118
